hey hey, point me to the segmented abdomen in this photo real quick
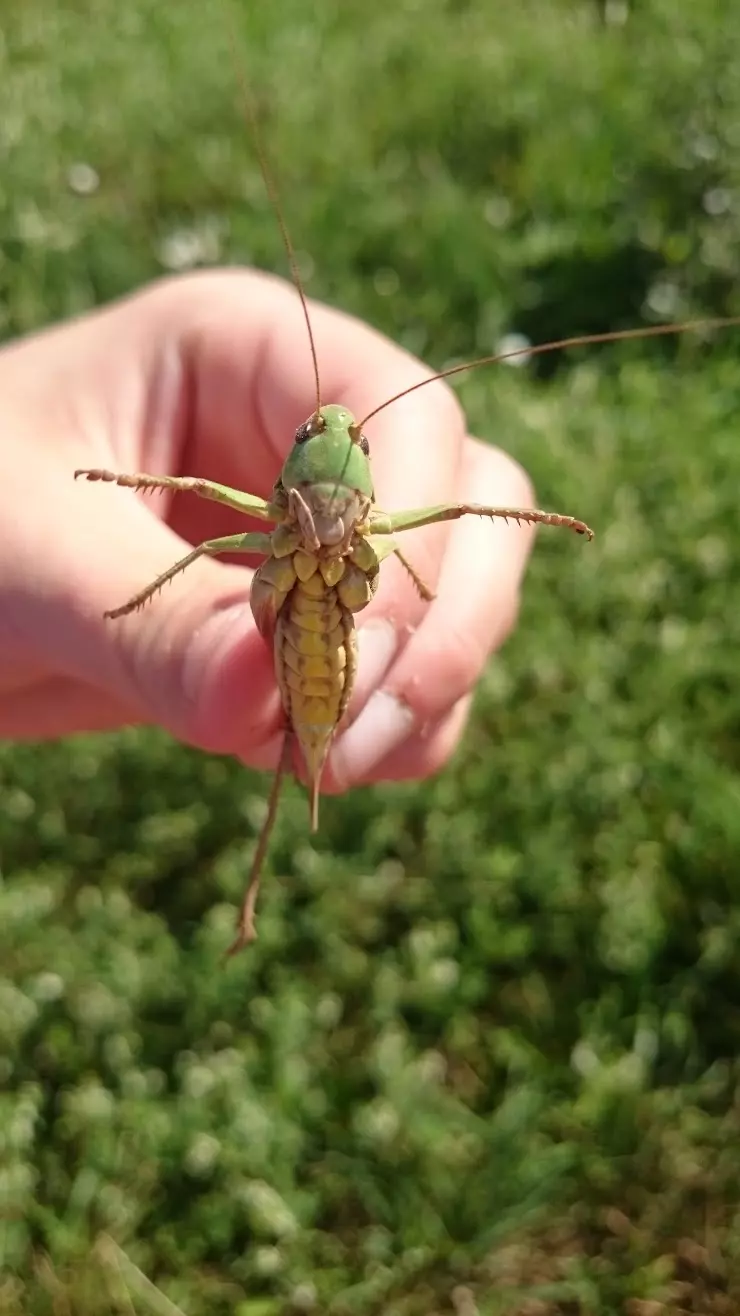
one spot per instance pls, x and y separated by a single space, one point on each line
315 662
305 604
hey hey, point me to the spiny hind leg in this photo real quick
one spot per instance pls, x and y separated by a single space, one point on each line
245 929
250 504
255 542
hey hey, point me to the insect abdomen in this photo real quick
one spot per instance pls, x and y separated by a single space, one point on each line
308 602
315 659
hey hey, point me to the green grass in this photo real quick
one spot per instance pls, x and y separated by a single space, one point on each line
484 1059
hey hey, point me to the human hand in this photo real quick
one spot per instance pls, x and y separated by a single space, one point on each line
209 375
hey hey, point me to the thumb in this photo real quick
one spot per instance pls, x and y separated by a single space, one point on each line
190 659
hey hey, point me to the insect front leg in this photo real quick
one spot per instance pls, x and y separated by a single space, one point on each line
256 542
384 523
249 504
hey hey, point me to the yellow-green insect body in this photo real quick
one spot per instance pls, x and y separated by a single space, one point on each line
320 572
321 566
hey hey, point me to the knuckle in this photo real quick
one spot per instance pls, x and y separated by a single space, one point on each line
506 617
527 496
464 660
451 408
451 673
440 745
431 747
504 476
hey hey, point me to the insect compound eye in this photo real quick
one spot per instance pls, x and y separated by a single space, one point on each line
309 429
359 439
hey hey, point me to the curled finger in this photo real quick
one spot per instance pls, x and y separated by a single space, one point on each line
474 610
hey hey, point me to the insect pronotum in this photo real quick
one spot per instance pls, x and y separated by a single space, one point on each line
321 559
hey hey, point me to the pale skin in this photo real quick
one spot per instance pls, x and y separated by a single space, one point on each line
209 375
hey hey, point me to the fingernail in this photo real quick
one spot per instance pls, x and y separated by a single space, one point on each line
377 643
383 724
219 632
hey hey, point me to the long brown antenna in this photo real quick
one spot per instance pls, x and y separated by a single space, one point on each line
539 349
272 192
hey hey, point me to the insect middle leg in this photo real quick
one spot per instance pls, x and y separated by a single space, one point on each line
383 546
254 542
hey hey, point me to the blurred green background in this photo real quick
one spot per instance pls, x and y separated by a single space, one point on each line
483 1058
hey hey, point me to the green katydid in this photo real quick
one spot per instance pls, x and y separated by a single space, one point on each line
321 566
323 555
